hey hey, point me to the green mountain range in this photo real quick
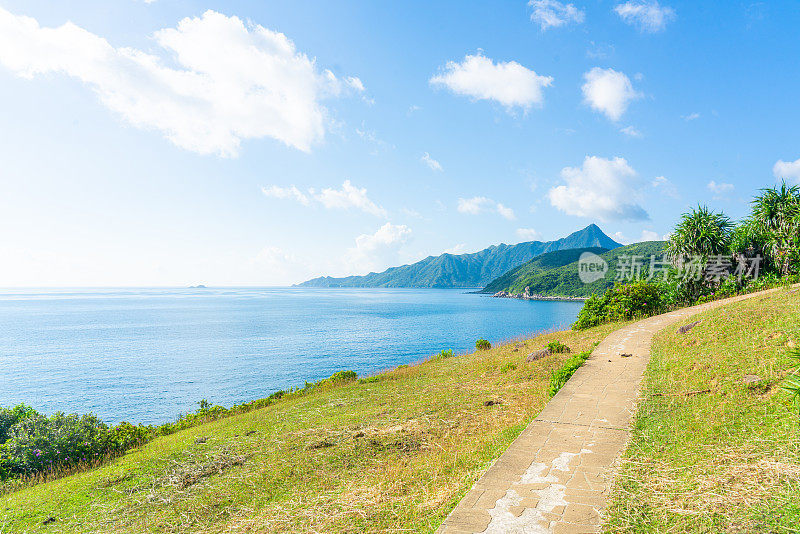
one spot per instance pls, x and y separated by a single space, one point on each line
556 274
468 270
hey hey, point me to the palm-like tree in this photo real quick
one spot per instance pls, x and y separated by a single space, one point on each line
700 232
777 212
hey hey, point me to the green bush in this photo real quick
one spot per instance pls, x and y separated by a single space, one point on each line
556 347
343 376
592 313
560 376
38 443
11 416
621 302
636 299
482 344
444 354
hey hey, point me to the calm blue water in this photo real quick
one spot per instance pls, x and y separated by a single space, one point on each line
147 355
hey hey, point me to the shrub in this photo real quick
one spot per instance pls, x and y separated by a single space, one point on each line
556 347
592 314
38 443
636 299
623 301
560 376
444 354
343 376
482 344
5 462
11 416
126 436
336 379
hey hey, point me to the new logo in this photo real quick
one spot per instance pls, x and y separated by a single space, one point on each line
591 267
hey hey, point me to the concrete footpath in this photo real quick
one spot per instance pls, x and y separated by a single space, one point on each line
556 476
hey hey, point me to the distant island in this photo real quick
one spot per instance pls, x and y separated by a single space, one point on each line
475 270
198 286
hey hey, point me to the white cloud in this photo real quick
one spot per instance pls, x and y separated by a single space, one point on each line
631 131
721 187
430 162
460 248
215 82
349 196
664 185
379 250
691 117
505 212
608 91
604 189
552 14
619 237
648 235
355 83
290 192
528 234
478 205
646 15
508 83
787 170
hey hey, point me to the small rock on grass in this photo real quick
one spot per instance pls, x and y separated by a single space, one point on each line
686 328
538 355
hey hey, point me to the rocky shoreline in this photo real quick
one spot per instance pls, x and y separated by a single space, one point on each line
532 296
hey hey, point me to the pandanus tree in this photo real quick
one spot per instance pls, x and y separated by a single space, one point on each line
776 213
701 233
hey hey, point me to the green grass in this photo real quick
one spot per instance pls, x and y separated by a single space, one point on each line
560 376
723 461
394 452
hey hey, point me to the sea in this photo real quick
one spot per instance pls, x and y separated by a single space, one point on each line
147 355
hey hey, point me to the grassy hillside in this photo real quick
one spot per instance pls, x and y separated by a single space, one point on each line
468 270
391 454
723 461
538 265
553 278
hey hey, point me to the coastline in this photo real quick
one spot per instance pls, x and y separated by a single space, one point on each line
528 296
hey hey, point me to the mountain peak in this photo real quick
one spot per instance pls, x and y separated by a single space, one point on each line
474 269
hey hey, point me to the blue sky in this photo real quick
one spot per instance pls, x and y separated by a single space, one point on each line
243 142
